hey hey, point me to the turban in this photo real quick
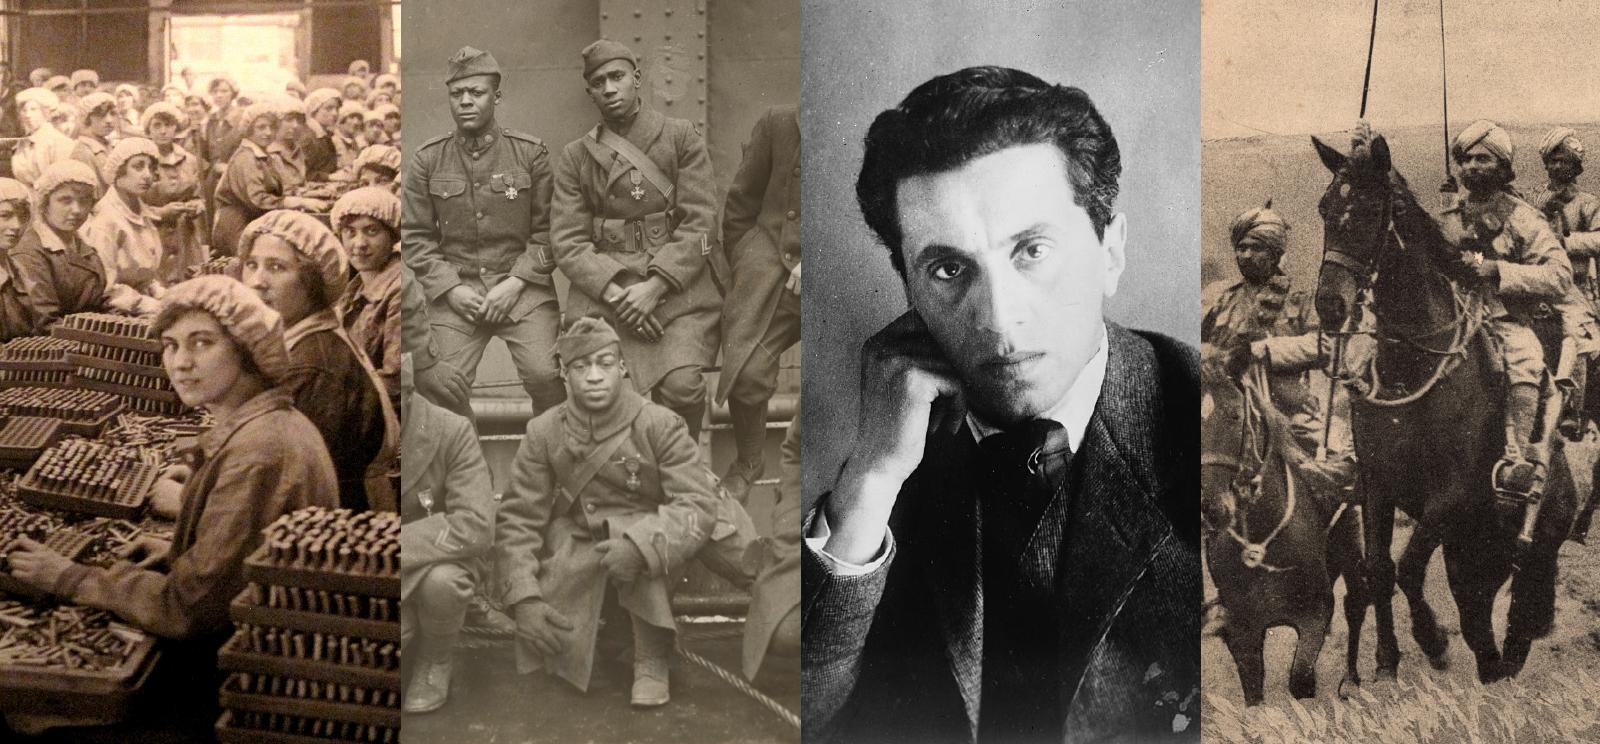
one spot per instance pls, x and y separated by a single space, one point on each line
254 327
309 238
467 62
585 336
126 149
162 108
1559 138
368 201
1262 223
85 76
1486 133
603 51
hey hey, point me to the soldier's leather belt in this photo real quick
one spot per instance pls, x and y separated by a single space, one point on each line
473 272
643 235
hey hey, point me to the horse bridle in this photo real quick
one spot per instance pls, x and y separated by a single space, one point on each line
1245 484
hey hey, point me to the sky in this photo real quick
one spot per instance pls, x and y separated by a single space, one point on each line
1295 66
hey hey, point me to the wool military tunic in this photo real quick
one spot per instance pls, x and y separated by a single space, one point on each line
475 218
761 235
446 500
577 480
1575 217
611 224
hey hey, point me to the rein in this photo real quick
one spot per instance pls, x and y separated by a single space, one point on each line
1254 449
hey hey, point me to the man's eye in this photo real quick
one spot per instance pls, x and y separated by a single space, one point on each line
947 270
1034 251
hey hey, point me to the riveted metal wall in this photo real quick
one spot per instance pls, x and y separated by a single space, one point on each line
670 38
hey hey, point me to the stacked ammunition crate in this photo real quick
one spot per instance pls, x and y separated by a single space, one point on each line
88 477
36 361
316 656
118 355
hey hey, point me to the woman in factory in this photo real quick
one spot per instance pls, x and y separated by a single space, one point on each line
15 317
322 117
298 268
124 230
258 180
368 221
224 350
175 196
61 273
43 144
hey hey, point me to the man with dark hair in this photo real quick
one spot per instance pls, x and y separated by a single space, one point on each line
1011 550
1516 255
634 224
476 230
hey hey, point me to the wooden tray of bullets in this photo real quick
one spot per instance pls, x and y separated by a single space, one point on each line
59 378
112 365
128 503
230 729
24 438
232 696
245 609
67 542
260 569
162 394
52 691
101 329
236 656
84 418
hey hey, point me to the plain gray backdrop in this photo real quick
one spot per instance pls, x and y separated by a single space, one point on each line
1138 61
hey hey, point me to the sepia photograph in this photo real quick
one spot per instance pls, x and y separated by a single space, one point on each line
1001 536
601 238
1399 408
199 371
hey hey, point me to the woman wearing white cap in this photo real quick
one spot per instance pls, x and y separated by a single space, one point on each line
124 230
368 222
128 110
322 117
44 144
260 175
61 273
16 319
225 353
299 268
175 197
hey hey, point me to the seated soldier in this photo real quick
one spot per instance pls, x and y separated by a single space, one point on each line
447 514
607 494
1519 259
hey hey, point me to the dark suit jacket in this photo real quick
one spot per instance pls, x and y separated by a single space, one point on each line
896 655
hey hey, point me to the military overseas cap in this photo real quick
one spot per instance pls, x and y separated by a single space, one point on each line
468 61
1262 223
603 51
1486 133
585 336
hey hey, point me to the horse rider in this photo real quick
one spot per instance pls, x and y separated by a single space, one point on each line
1260 318
1519 259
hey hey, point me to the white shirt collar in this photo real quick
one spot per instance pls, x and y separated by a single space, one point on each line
1075 408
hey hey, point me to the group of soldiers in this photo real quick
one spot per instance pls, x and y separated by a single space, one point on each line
609 497
1533 258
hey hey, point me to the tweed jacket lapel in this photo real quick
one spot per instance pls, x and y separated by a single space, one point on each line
955 572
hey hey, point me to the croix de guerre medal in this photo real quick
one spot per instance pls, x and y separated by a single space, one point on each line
632 466
638 191
511 191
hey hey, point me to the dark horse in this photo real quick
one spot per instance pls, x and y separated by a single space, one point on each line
1430 432
1271 552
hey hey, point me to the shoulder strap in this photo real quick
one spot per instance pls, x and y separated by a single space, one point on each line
636 158
577 480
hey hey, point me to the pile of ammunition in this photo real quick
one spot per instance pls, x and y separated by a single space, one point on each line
316 651
64 636
38 361
67 405
118 355
91 477
337 540
107 324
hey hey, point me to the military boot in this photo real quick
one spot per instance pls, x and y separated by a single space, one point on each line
430 685
693 417
749 437
1522 406
652 653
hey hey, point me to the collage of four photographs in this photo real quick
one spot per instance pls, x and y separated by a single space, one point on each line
1173 371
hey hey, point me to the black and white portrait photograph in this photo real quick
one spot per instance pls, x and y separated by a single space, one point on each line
1398 339
602 288
1001 533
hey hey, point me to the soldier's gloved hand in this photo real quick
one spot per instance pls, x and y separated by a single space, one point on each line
465 301
542 626
497 304
621 558
444 384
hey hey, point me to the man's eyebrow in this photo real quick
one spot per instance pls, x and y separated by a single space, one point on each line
936 252
1034 231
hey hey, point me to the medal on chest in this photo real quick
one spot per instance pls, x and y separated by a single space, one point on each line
631 464
511 191
636 178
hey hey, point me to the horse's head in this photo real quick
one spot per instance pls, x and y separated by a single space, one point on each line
1224 445
1355 219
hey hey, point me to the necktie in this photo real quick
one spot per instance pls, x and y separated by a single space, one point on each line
1027 465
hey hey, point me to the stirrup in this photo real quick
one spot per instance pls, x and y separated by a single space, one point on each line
1517 481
